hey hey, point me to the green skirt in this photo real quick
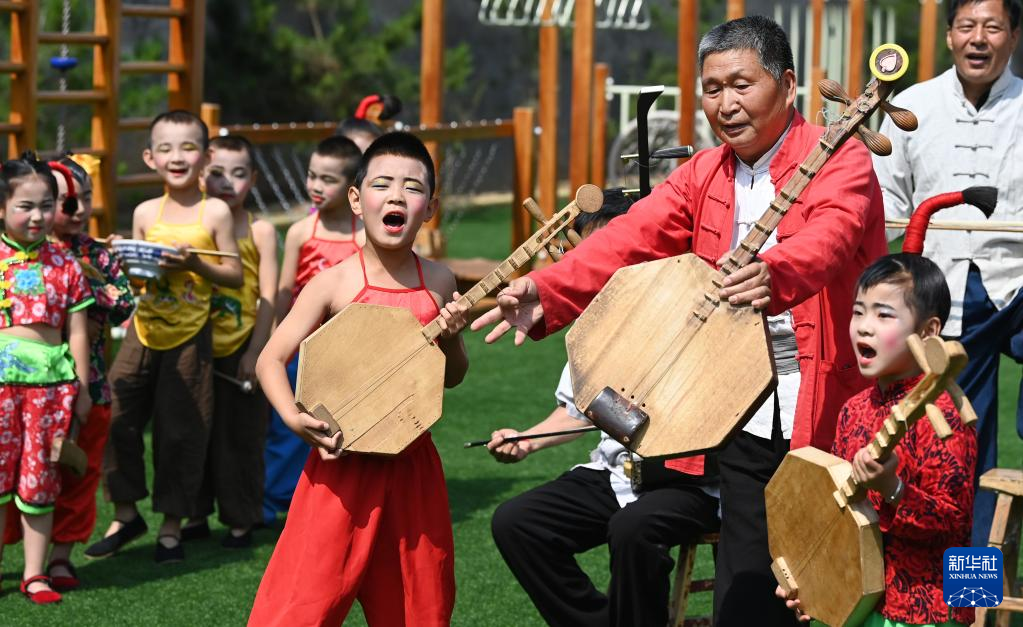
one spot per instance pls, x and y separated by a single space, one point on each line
29 362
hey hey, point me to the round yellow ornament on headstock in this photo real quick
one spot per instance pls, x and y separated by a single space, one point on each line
889 62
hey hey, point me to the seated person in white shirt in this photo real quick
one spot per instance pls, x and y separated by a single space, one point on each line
970 133
540 531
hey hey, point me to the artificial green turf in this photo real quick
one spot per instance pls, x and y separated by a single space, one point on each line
506 387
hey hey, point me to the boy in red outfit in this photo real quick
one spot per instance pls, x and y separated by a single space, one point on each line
923 493
361 526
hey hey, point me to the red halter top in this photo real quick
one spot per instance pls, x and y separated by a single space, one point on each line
418 300
316 255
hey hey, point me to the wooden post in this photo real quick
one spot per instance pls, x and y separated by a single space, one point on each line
857 26
209 112
185 46
598 151
105 116
816 73
735 9
24 51
547 170
523 119
688 29
582 93
928 39
431 85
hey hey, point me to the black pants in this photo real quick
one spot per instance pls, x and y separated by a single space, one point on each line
234 461
743 583
540 531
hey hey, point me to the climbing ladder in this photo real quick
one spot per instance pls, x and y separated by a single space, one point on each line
183 68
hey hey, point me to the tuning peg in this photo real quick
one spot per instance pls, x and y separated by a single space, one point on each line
903 118
962 403
916 348
876 142
833 91
937 420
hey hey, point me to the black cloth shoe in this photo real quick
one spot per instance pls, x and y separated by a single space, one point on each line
169 555
198 531
232 541
111 544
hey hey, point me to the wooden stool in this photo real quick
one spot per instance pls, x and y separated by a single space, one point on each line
1005 535
684 584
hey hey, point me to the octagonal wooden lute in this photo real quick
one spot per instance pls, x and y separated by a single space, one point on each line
823 533
657 361
377 375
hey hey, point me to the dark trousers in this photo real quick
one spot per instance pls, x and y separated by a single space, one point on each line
173 387
234 461
743 582
540 531
987 334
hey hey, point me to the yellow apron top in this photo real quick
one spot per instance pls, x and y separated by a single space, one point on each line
233 310
173 308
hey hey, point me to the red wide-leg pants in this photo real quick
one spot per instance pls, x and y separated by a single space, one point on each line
364 527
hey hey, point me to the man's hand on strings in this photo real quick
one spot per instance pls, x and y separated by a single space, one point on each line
749 285
518 305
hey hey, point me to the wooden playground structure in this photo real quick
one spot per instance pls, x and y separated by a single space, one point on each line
533 133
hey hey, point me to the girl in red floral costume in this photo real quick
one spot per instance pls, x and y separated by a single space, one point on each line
43 298
74 516
923 493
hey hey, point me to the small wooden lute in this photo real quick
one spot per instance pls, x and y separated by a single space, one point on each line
658 362
822 531
377 375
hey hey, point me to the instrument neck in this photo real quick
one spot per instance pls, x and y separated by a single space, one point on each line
507 268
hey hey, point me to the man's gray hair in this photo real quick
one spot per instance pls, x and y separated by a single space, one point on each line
757 33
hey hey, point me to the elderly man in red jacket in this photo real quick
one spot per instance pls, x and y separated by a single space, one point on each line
803 278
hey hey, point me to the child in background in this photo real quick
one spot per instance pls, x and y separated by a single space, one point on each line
361 132
923 493
164 368
43 379
364 127
74 516
367 527
242 319
313 244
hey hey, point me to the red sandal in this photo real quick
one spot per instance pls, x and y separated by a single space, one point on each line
63 584
42 597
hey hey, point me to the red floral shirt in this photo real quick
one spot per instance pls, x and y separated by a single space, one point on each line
936 508
39 283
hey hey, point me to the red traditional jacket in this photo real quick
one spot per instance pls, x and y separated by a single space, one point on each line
936 508
832 232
